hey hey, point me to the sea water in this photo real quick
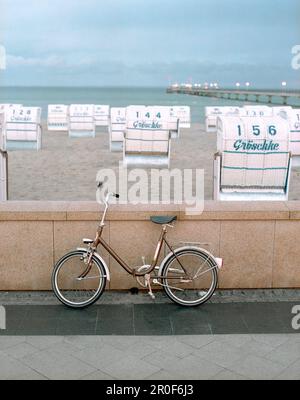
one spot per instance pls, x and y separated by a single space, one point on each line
115 97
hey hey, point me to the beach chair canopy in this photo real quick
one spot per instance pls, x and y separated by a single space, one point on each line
253 160
81 120
58 117
23 128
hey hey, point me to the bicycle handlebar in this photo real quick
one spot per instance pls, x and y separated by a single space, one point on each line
116 195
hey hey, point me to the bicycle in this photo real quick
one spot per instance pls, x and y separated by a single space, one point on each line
188 275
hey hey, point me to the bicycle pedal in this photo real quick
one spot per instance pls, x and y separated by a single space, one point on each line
134 291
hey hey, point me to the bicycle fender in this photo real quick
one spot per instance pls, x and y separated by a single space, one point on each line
99 258
170 255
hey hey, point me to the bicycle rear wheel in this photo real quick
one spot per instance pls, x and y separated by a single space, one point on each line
70 284
190 277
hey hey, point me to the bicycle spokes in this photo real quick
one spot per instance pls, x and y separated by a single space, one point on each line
76 282
189 276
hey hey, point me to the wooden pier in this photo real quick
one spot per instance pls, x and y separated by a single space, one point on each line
258 96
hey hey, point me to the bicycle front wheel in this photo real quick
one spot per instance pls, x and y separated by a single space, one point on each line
76 284
190 277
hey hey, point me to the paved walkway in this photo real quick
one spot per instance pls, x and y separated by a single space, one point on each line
150 357
251 339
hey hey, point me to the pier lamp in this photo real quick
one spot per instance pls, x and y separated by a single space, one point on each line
237 84
284 84
247 84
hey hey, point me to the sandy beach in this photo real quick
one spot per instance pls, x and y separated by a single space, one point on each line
66 169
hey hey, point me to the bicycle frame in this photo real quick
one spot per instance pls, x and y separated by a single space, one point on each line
100 241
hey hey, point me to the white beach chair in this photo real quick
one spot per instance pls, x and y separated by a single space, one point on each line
253 161
146 140
212 114
117 128
23 130
101 115
183 113
81 121
58 117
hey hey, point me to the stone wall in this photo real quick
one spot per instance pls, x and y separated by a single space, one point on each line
259 242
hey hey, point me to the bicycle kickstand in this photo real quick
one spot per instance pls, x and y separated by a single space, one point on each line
148 284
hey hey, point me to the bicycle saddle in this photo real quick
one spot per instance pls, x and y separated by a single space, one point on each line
163 220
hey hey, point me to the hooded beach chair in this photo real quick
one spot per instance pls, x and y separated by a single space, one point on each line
253 160
183 113
117 128
23 130
81 121
58 117
146 139
101 115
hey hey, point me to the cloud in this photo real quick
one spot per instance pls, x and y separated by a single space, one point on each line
48 62
112 41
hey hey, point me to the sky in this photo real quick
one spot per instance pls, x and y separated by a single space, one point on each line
149 42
